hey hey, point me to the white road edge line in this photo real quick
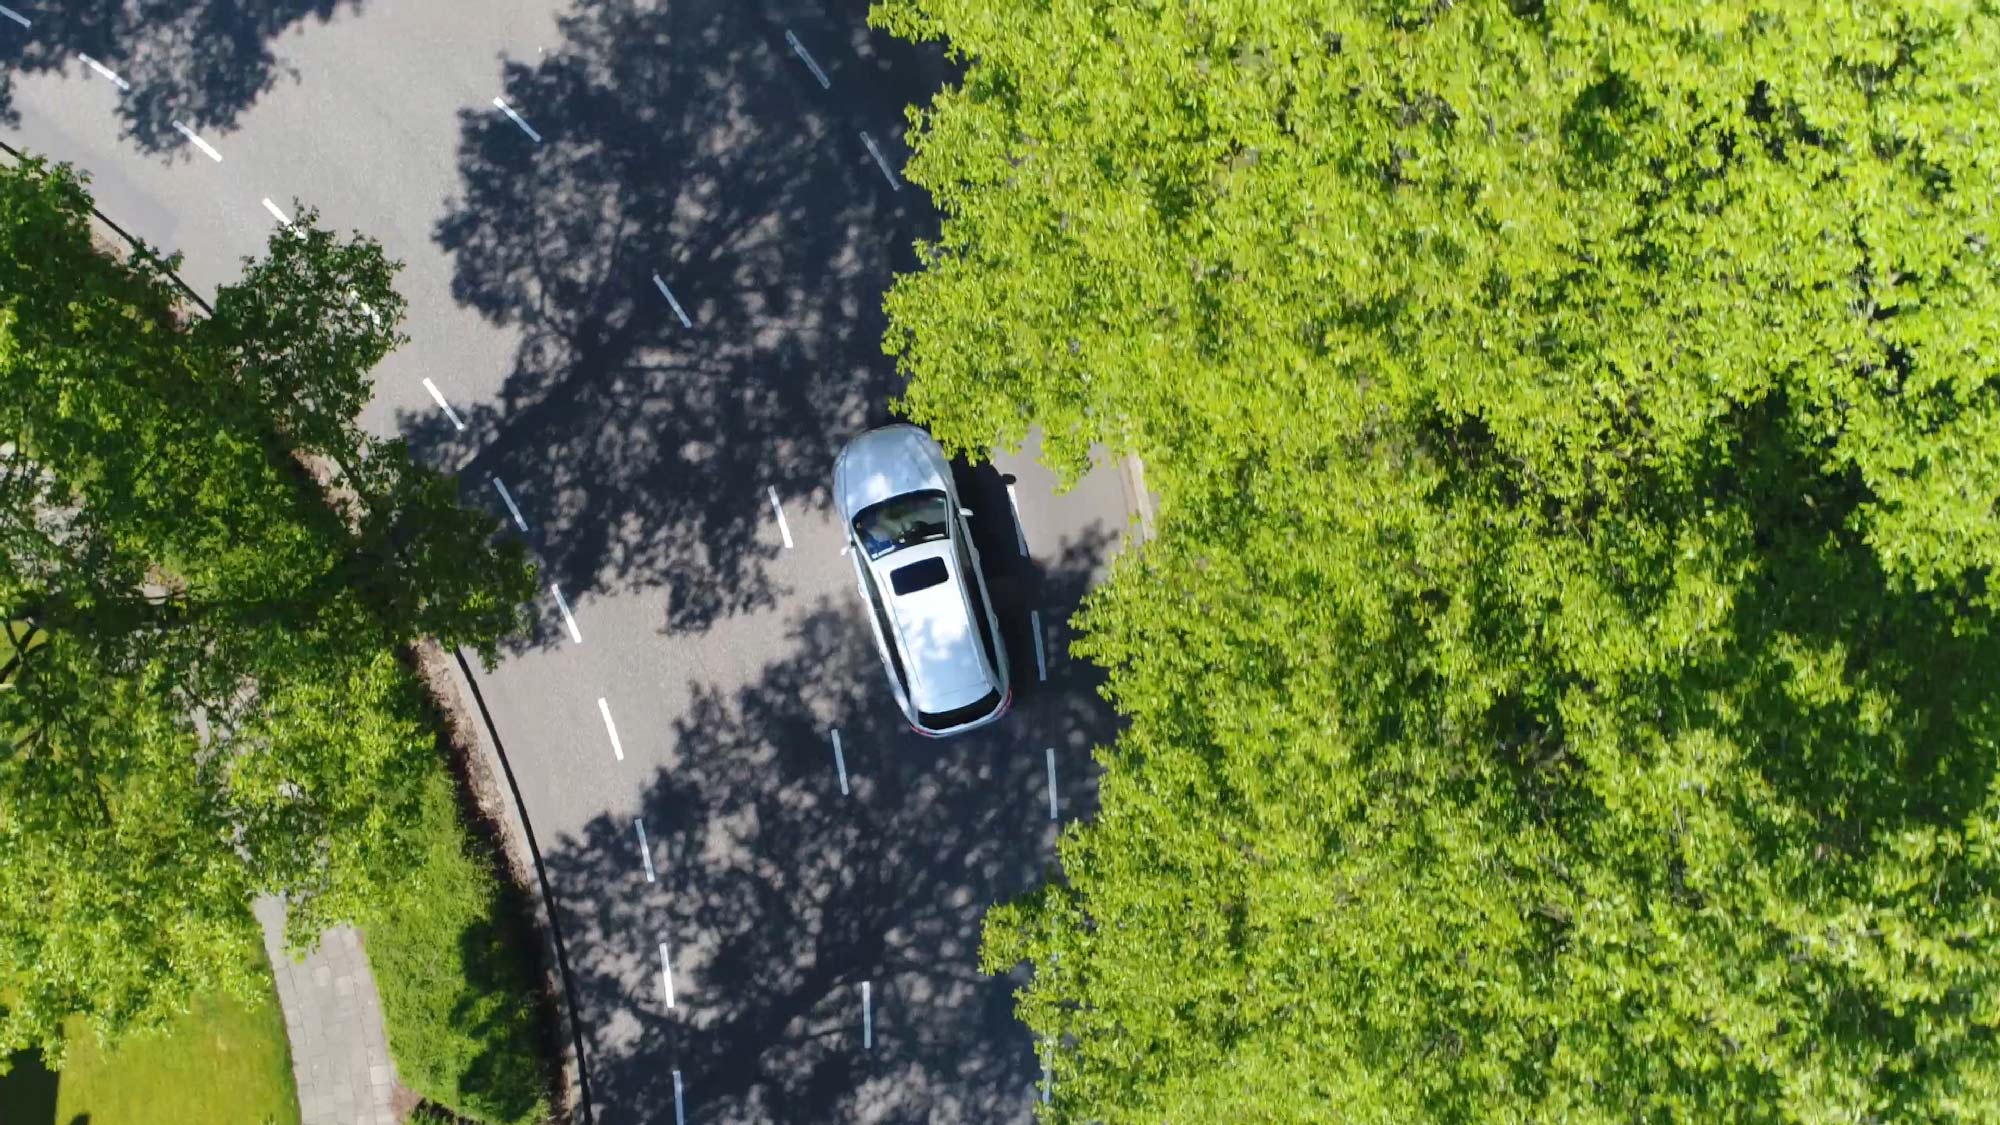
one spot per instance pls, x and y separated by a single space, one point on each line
840 761
503 107
513 509
278 213
575 634
784 529
1041 662
669 295
645 849
106 72
1020 533
611 728
680 1116
15 16
894 183
1051 751
867 1018
439 396
207 149
666 975
799 49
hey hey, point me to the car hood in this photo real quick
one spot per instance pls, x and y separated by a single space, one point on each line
940 642
884 463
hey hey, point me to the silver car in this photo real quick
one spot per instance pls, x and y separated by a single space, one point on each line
919 575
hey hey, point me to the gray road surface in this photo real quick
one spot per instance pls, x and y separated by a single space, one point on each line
686 140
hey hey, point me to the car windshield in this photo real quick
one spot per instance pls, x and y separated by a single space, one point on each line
901 521
959 716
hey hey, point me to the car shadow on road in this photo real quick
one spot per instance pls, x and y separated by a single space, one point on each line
199 62
685 147
777 896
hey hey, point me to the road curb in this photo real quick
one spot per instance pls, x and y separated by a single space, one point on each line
449 678
133 243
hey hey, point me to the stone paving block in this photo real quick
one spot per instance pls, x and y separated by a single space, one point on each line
333 1016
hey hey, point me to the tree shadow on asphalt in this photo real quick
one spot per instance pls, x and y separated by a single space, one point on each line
688 142
199 62
778 896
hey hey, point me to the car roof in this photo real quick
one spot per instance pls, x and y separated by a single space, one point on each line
935 629
884 463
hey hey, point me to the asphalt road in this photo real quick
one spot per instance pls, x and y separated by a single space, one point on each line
822 945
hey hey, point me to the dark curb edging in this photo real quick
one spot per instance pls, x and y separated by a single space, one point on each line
487 762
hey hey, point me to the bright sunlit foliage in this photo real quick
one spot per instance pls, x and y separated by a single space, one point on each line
1564 684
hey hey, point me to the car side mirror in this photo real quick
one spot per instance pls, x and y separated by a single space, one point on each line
966 512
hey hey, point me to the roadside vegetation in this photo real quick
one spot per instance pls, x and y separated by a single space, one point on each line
1562 684
457 981
222 571
224 1060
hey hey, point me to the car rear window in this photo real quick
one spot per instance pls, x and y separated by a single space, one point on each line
920 575
959 716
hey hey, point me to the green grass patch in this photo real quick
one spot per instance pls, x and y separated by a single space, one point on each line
225 1060
458 986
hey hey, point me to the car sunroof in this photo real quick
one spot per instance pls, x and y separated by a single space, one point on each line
920 575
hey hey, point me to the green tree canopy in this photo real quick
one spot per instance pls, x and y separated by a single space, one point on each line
1563 684
203 698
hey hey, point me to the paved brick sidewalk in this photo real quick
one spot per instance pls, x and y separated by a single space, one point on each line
340 1054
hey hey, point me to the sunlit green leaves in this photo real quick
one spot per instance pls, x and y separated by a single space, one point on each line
1560 688
214 707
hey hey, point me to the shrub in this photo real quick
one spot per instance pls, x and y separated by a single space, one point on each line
458 988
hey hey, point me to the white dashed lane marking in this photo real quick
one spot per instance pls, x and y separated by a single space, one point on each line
894 183
867 1017
1041 662
784 528
503 107
15 16
207 149
285 220
1020 533
669 295
569 619
666 975
374 317
438 395
799 49
840 762
1051 751
611 728
513 509
106 72
645 849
